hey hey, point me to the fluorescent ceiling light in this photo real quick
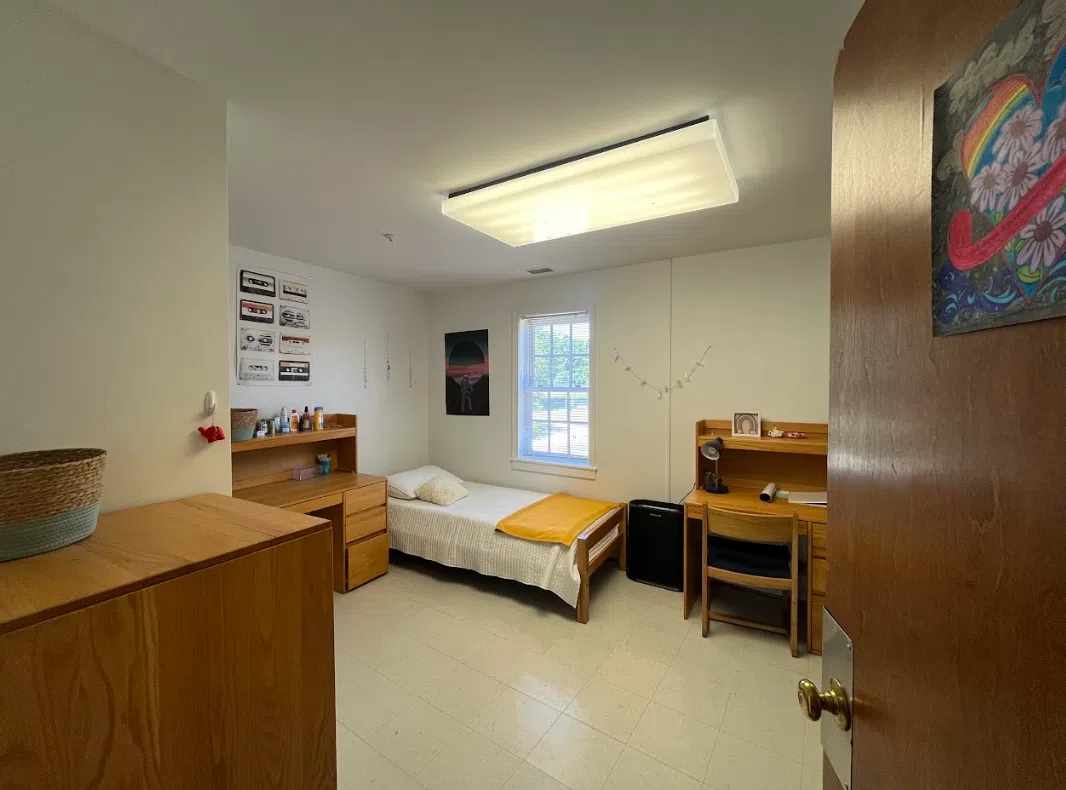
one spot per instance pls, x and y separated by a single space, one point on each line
671 172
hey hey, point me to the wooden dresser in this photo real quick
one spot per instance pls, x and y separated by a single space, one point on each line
747 465
353 503
185 644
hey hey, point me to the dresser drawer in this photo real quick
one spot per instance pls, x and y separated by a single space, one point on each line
311 505
819 537
367 559
357 500
363 524
819 572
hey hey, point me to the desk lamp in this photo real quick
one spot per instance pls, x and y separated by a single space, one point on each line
712 451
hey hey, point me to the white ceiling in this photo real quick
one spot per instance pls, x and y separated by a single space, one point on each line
350 119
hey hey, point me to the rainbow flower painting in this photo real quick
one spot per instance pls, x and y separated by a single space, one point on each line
999 180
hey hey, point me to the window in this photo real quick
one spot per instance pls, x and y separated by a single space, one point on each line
554 388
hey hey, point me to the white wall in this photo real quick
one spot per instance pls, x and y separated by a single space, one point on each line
765 311
345 311
113 235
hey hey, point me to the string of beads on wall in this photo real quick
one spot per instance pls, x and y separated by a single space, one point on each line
661 390
388 365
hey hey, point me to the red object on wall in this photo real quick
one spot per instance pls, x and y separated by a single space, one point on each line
212 433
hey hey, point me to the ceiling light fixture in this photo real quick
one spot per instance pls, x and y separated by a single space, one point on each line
673 171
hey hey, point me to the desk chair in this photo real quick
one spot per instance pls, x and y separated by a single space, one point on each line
752 551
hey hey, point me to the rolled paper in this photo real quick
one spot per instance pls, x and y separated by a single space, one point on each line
768 493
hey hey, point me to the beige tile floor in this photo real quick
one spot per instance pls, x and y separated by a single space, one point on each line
449 680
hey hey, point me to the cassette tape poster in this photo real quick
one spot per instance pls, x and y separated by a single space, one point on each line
273 340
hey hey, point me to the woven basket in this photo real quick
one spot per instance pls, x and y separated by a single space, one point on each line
242 423
48 499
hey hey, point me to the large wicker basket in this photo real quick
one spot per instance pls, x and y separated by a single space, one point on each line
48 499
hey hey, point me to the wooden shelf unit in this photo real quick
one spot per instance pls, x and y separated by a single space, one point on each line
812 445
285 439
354 503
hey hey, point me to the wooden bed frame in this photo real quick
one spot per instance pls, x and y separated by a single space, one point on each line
588 540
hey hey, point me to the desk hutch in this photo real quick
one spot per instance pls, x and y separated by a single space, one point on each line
747 465
353 503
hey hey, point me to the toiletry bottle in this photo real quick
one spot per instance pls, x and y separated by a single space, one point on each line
294 422
320 418
305 420
286 427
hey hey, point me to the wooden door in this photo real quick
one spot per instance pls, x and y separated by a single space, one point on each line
947 459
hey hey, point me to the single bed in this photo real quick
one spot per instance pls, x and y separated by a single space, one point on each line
463 535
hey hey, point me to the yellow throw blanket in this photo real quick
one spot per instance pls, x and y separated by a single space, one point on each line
559 518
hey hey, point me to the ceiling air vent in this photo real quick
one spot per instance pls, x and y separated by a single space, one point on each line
541 270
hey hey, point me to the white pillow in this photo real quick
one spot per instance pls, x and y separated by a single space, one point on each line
442 490
404 484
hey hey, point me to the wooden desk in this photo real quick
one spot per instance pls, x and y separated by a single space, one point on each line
354 503
171 649
747 465
746 500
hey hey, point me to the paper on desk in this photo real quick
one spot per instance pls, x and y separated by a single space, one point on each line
807 498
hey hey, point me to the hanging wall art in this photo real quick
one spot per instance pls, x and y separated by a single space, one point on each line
273 328
999 175
466 373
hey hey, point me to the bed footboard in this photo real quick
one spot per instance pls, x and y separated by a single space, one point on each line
586 566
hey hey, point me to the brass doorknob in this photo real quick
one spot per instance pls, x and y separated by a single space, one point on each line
834 702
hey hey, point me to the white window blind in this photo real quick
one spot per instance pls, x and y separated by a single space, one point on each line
554 378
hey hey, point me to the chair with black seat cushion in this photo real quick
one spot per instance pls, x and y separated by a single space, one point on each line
752 551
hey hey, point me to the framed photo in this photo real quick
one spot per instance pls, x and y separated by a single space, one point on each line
747 423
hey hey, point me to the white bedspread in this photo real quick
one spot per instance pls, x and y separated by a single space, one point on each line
463 535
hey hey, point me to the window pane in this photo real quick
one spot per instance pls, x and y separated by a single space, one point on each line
542 340
538 401
560 371
560 338
558 407
580 338
579 440
579 407
542 372
581 372
539 443
560 439
555 396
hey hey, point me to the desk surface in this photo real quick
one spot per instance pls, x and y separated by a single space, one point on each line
293 492
747 500
132 549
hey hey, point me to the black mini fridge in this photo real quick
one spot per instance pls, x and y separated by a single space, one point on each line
655 543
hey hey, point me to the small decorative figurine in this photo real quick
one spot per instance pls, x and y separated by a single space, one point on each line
775 433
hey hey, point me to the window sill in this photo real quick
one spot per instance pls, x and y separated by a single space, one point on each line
551 468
